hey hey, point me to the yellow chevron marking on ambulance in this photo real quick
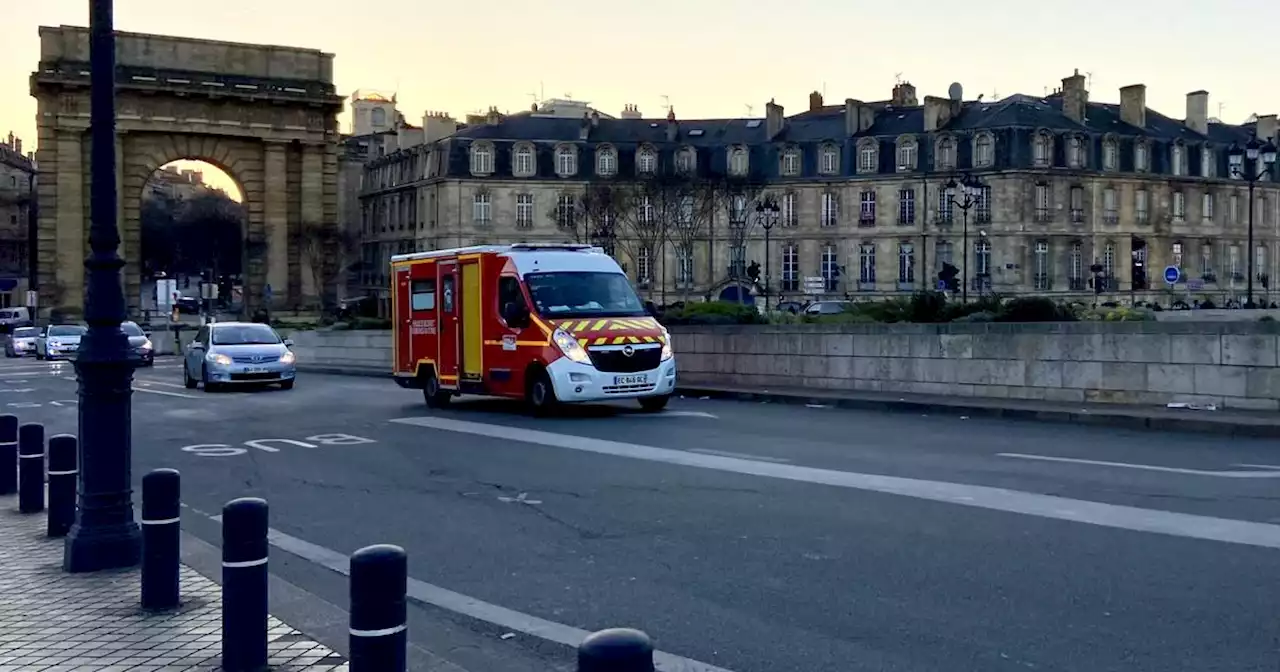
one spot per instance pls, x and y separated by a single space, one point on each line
582 342
648 339
599 325
619 340
633 339
601 341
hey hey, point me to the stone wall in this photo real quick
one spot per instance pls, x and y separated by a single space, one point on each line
1232 364
367 352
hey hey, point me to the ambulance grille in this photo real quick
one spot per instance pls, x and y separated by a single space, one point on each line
613 361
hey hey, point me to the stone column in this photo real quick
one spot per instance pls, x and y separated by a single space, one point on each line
70 219
313 215
276 219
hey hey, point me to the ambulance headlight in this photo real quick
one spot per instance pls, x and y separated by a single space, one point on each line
666 345
570 347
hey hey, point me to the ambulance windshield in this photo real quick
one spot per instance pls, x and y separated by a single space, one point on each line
583 294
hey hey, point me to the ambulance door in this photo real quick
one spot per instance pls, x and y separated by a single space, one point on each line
472 318
447 357
403 316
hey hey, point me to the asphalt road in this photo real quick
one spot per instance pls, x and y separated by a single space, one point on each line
750 537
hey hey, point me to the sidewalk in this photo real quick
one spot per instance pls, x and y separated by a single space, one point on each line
53 621
1229 423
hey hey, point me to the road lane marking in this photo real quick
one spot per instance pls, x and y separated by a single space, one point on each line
148 381
466 605
167 394
676 414
1258 466
979 496
1152 467
744 456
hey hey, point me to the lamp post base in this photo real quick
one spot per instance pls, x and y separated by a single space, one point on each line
89 549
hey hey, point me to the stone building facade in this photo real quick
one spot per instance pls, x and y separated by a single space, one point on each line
17 206
863 193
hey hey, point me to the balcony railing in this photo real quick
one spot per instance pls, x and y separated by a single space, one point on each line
983 217
1077 216
866 285
866 220
1143 217
1042 282
1075 284
1110 218
1043 215
790 284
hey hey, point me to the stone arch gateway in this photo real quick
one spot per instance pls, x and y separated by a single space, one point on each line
266 115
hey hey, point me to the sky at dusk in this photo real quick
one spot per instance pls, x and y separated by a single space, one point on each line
714 58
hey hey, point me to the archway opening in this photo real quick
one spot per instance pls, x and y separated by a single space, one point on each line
192 233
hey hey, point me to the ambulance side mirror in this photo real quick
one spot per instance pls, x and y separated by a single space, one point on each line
515 315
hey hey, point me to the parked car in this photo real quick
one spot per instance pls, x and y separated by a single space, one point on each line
238 353
12 318
828 307
21 342
139 344
59 340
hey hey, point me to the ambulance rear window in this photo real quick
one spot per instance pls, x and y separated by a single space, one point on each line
422 295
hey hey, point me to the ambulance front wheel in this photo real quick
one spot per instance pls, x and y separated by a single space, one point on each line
654 404
541 394
432 394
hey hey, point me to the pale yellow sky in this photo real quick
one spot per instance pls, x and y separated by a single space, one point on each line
715 57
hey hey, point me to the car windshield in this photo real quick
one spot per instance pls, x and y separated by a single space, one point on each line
583 294
66 331
131 329
26 332
244 334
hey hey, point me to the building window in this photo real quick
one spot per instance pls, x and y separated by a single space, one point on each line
1207 167
524 211
646 161
566 207
738 161
906 206
791 163
943 253
1206 263
1075 270
737 260
644 267
1260 261
686 161
907 155
790 267
830 208
1140 157
566 161
480 210
830 268
1110 155
607 162
983 204
1042 265
946 159
1177 255
906 263
867 264
1206 206
738 211
684 216
1077 204
830 160
1233 263
1179 206
1109 207
789 216
868 158
1043 202
1178 159
646 212
481 159
1109 260
1075 152
1233 209
1042 150
524 161
983 156
867 208
946 206
1141 206
982 261
684 265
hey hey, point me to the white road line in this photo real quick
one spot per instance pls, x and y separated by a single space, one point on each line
148 381
473 607
744 456
676 414
167 394
979 496
1152 467
1258 466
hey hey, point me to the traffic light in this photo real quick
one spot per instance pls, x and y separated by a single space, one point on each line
948 276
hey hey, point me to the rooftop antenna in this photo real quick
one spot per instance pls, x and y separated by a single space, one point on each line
750 110
995 94
1089 82
1220 108
897 78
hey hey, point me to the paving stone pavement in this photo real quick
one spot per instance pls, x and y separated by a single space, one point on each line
54 621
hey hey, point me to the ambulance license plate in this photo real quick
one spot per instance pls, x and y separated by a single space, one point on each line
631 380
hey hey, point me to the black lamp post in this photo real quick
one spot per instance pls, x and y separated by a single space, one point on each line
971 192
104 535
1262 159
767 212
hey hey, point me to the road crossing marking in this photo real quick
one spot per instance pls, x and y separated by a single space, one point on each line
1274 473
979 496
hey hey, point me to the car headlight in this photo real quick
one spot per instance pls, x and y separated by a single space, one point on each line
666 345
220 360
146 345
570 347
53 344
287 358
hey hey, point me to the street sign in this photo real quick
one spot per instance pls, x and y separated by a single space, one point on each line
166 292
1195 284
942 285
1171 274
32 295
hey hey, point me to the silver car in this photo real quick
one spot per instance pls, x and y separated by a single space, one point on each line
59 341
21 342
238 353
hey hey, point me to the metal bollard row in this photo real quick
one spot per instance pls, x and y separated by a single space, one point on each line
161 536
63 472
8 454
31 468
616 650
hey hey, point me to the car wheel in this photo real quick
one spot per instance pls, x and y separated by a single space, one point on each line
286 385
39 356
187 381
541 394
654 404
432 395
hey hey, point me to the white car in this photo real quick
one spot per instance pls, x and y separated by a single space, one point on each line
59 341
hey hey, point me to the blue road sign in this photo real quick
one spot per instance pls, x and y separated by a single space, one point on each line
1171 274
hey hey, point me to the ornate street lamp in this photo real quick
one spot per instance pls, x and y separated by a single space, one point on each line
971 195
767 213
1262 160
105 534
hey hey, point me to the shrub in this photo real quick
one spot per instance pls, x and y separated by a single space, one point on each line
1266 318
847 317
1035 309
1118 315
714 312
1208 304
927 306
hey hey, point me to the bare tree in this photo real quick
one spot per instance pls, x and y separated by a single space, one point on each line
737 198
327 248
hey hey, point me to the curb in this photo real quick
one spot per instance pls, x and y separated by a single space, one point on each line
1100 417
345 371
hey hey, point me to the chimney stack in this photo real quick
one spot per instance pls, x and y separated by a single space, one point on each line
815 101
17 143
584 128
937 113
773 119
851 116
1265 129
1198 112
904 95
1075 98
630 111
1133 105
673 127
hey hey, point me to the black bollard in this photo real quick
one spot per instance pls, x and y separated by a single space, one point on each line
244 585
379 634
8 454
63 450
31 468
616 650
161 530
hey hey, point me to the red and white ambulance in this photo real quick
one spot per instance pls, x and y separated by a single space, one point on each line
545 323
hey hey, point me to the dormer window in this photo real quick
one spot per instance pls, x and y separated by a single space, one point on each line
868 156
1141 156
1075 152
522 164
566 160
946 158
983 151
482 159
790 162
907 154
686 161
1110 154
829 160
1178 159
1207 163
646 161
738 164
1042 149
606 161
